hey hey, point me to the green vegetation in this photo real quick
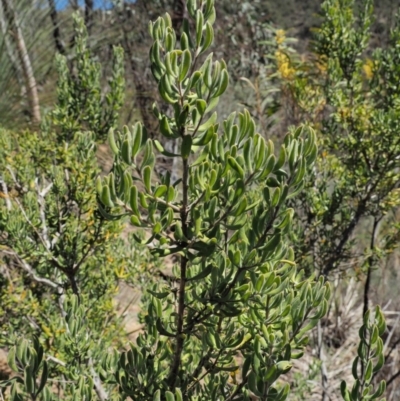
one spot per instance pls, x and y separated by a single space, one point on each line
254 239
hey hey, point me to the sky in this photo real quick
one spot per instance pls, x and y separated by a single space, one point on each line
61 4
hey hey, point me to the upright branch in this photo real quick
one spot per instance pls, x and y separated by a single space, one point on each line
180 338
225 218
368 362
369 264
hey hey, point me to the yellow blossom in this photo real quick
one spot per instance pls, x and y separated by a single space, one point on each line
284 66
46 330
368 68
280 36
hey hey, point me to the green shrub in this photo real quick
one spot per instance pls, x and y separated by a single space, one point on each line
348 95
235 311
54 242
82 103
235 303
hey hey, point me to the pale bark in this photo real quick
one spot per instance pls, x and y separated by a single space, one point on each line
10 52
16 33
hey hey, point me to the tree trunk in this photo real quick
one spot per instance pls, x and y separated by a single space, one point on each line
10 52
31 87
88 14
56 28
74 4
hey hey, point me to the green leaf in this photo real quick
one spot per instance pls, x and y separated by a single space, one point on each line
379 391
134 201
99 186
148 157
203 274
169 63
368 372
185 65
147 178
273 243
223 84
199 27
178 394
178 233
194 79
135 221
208 37
166 91
157 396
126 152
210 340
169 396
186 146
157 228
380 363
184 41
211 121
165 129
43 379
205 138
374 335
380 320
159 295
161 329
29 380
252 383
112 143
160 191
281 160
11 359
143 200
235 165
201 106
284 366
260 153
105 197
171 194
282 395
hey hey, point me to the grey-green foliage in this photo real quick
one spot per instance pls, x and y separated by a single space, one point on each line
369 361
53 242
26 359
236 310
82 104
33 367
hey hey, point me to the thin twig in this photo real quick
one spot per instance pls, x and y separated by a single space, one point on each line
208 371
98 386
56 360
393 378
5 192
369 265
321 356
30 271
42 214
180 338
51 256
